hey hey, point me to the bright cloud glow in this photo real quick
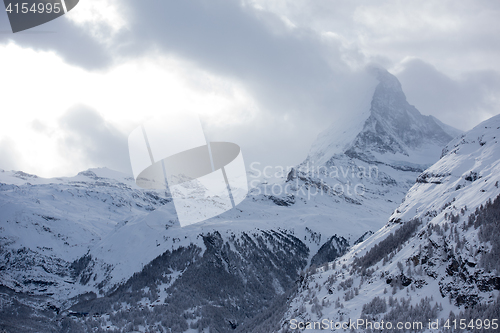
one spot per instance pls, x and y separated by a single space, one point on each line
41 88
264 74
103 18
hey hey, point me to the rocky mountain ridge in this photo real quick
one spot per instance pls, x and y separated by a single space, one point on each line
436 260
94 252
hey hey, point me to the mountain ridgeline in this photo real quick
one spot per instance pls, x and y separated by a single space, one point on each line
436 259
95 253
394 128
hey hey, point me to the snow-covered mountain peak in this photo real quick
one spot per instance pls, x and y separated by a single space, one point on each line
396 131
436 260
388 87
390 132
104 172
89 176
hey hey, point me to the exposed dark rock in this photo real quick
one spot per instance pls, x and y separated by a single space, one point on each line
330 250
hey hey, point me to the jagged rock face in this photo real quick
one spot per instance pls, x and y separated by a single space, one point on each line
389 132
330 250
438 252
394 126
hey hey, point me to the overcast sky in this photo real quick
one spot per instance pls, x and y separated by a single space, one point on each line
268 75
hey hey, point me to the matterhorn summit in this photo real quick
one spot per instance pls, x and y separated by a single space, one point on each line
391 132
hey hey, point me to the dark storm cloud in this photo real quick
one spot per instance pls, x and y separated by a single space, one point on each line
92 140
299 80
282 68
299 83
290 73
458 102
286 70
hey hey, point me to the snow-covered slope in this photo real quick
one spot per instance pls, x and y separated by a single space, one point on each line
102 213
362 166
46 224
99 234
438 253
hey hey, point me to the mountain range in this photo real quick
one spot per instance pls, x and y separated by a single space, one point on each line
95 252
435 265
